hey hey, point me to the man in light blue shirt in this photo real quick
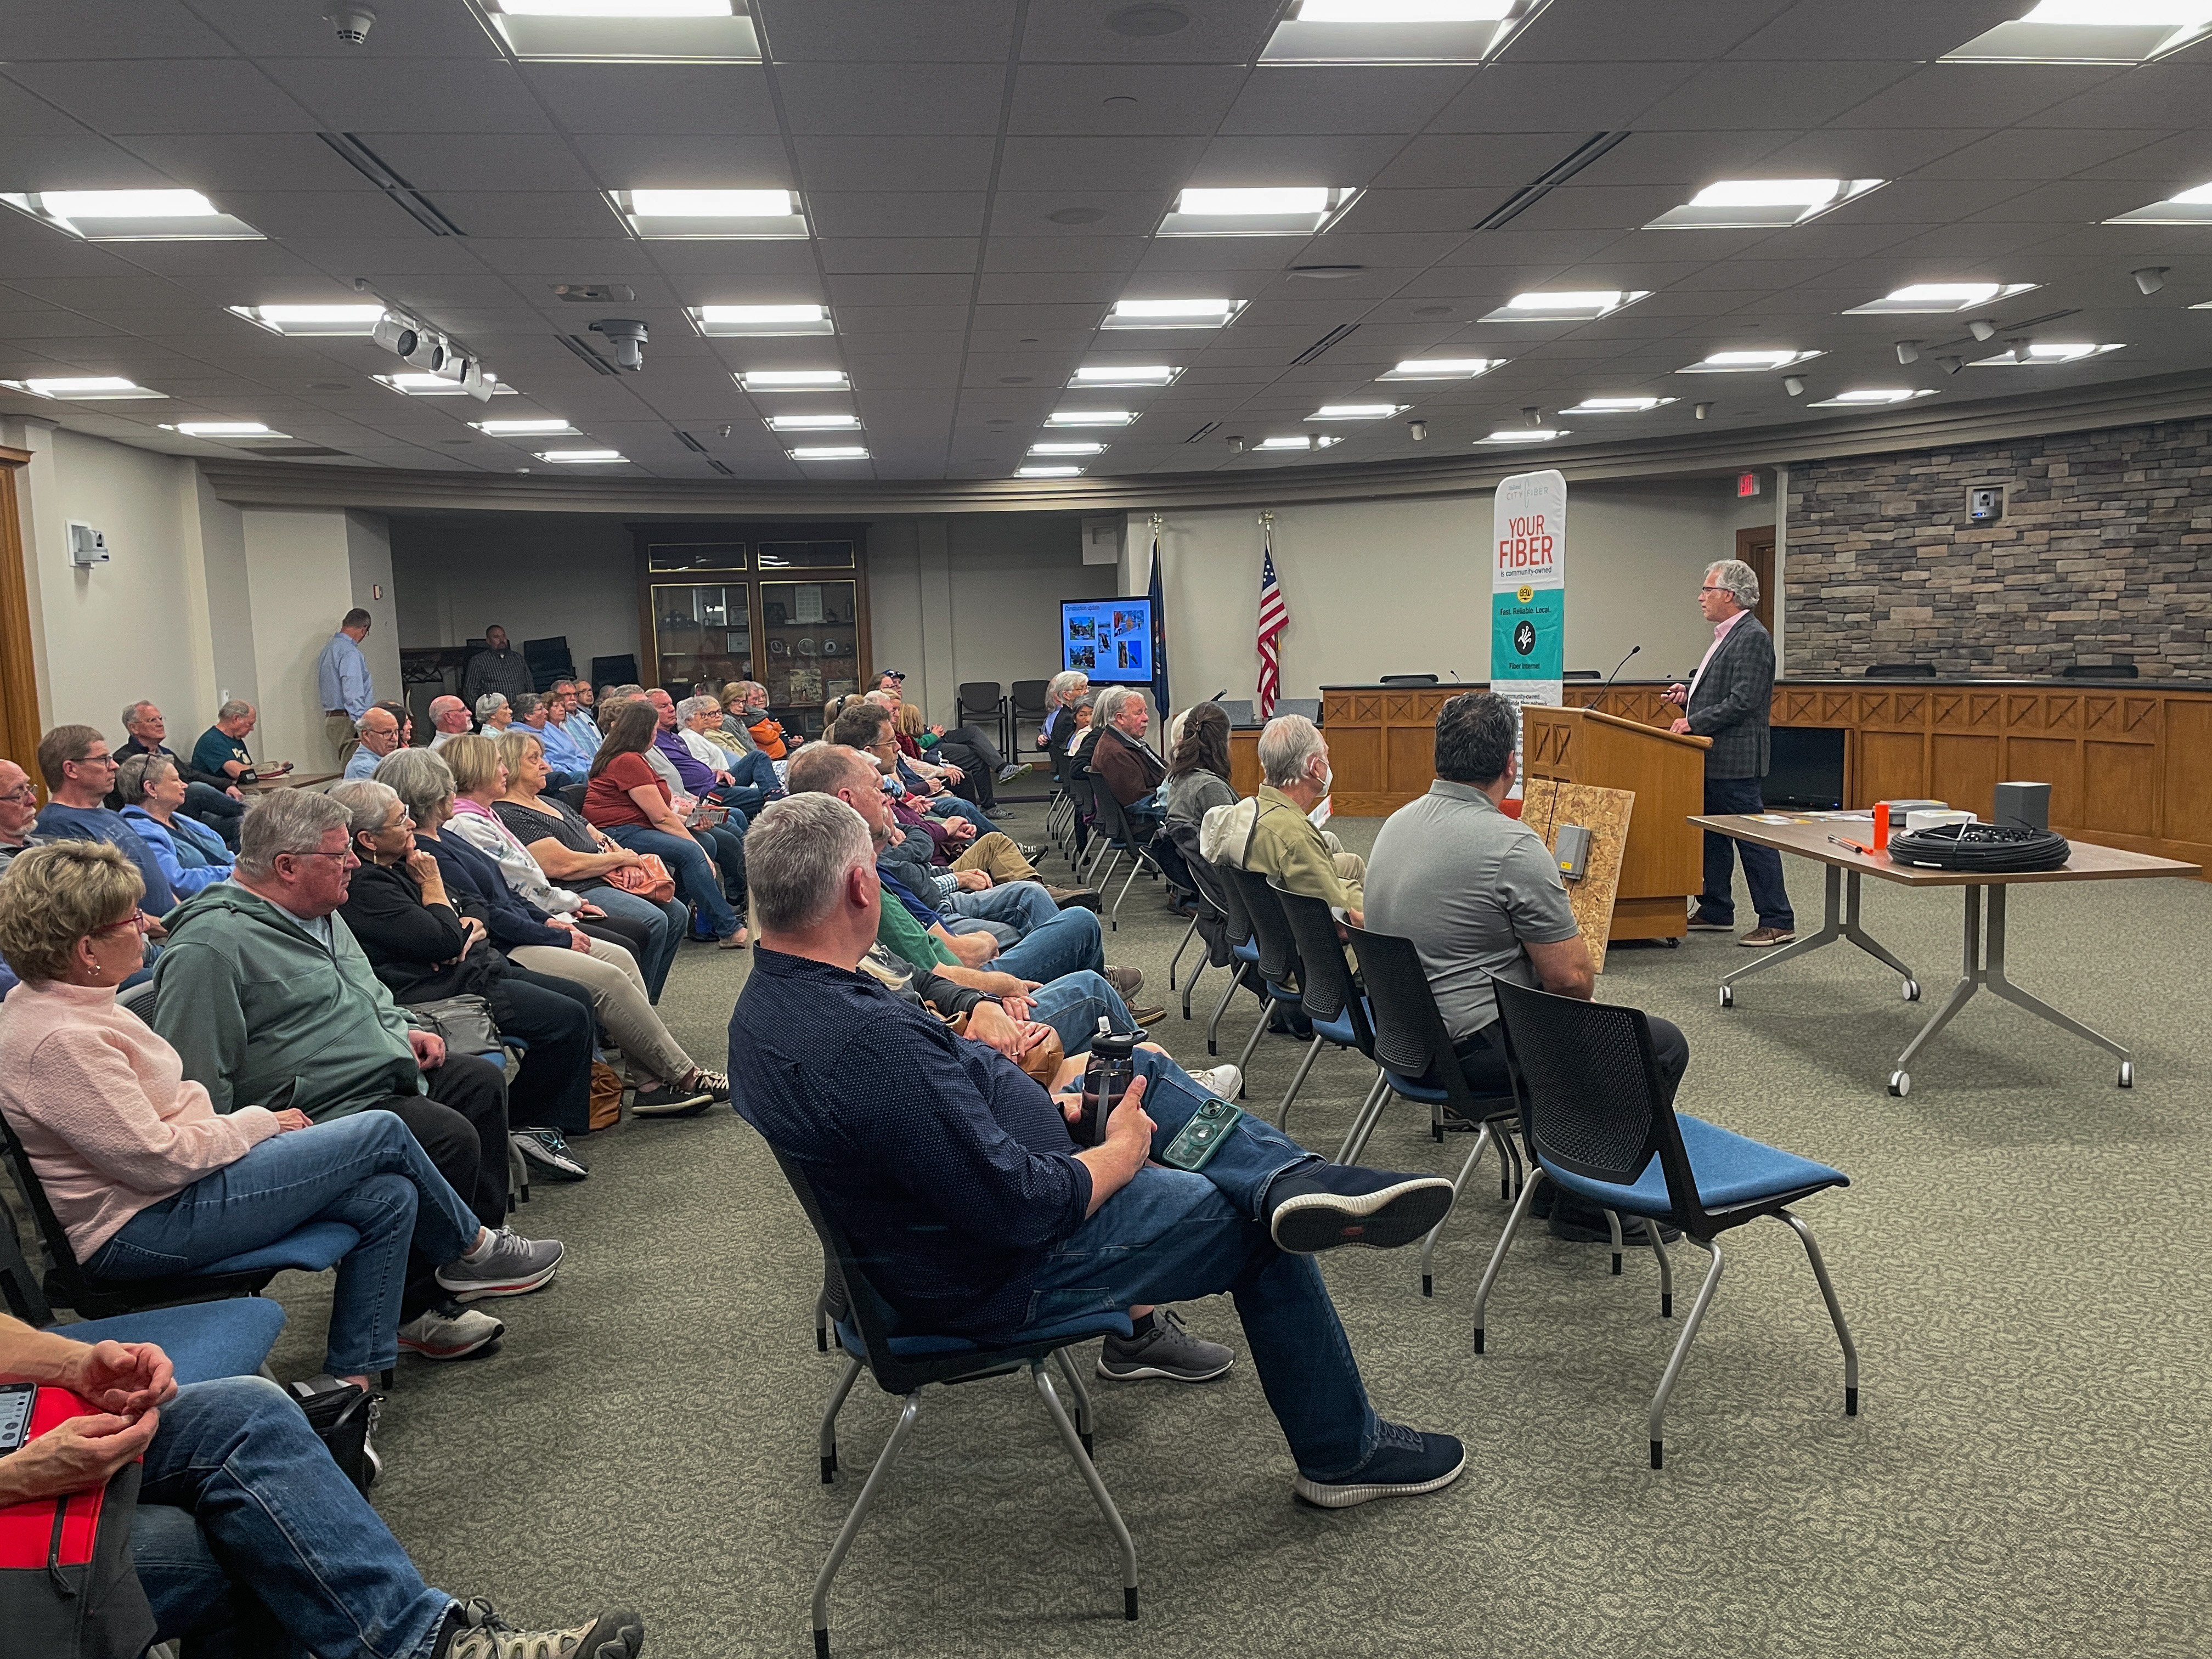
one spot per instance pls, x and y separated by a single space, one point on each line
566 761
341 679
380 732
583 731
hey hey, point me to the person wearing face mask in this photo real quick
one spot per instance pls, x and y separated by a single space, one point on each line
1284 845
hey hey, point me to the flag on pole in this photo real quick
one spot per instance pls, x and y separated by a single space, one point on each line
1275 617
1158 596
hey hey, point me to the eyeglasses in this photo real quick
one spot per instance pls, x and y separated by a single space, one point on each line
21 791
1710 588
95 760
136 919
317 853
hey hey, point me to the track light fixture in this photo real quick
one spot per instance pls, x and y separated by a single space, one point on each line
1982 328
1417 429
1702 411
2150 278
1908 352
1952 365
1237 446
1793 385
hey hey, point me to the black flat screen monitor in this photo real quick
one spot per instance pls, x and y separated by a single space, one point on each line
1807 768
1109 639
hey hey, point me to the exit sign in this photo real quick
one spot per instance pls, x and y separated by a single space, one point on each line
1746 483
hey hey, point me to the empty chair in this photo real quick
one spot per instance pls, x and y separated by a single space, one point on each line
1328 995
1210 922
982 700
1310 707
1243 949
1113 821
1024 702
1277 951
614 671
1596 1120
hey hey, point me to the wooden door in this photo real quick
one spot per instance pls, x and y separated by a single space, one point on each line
19 684
1756 549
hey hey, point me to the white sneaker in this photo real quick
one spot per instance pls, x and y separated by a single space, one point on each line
1222 1082
450 1331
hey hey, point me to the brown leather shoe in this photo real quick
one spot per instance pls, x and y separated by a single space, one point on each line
1765 939
1072 898
1127 981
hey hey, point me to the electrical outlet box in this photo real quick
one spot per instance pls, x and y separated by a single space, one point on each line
1573 852
88 547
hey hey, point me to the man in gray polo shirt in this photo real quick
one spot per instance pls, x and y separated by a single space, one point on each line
1480 894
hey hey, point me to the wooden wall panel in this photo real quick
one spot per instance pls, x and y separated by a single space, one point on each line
2119 791
1963 770
19 684
2054 760
1891 766
2186 807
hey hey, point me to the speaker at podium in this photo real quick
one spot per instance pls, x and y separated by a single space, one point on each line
1662 864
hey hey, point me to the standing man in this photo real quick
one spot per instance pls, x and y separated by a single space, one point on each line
1730 699
342 676
210 797
379 733
498 667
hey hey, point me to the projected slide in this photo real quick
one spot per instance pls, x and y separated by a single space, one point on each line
1109 639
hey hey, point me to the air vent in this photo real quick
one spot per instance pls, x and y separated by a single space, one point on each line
365 161
690 442
297 452
720 468
1341 331
1210 426
1535 192
577 343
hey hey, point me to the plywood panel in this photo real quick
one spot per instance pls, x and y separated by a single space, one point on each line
1962 769
2186 800
2119 789
1892 765
2054 760
1355 755
1606 814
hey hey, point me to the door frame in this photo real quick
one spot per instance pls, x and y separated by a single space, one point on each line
19 674
1759 538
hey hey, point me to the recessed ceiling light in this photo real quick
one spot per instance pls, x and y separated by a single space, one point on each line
1929 299
719 321
322 321
1172 313
84 389
679 31
1617 405
831 452
1761 203
1579 306
813 423
222 430
133 215
1115 375
1874 396
1068 449
549 426
1047 471
793 379
2090 32
433 385
1355 411
1395 31
1746 362
582 456
1308 440
1088 417
1524 435
1268 210
1444 369
682 215
2044 356
2191 206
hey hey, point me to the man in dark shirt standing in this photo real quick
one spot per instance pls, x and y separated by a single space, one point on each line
498 667
954 1172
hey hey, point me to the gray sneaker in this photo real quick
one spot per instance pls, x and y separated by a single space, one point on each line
449 1331
484 1635
1166 1351
513 1265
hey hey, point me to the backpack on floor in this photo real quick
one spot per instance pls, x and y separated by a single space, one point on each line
68 1589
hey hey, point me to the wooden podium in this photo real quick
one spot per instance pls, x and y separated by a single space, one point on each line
1663 865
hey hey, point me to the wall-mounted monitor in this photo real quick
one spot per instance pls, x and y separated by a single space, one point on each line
1109 639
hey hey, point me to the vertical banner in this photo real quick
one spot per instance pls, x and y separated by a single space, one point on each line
1157 593
1528 588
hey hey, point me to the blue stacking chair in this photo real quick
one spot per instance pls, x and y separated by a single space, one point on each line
1594 1117
905 1364
1243 949
1331 1000
1276 959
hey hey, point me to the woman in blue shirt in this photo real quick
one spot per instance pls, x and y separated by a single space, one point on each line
191 855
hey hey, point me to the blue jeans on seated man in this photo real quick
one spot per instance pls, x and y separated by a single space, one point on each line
688 862
1170 1236
1070 943
951 807
1762 866
1024 906
1072 1006
235 1476
365 1170
755 785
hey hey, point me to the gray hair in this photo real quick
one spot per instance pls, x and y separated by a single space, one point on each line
1287 748
880 698
796 852
369 801
285 821
130 711
526 704
421 778
1111 701
691 707
1739 578
138 774
1056 691
490 704
236 708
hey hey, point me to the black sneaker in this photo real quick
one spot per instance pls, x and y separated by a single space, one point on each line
1167 1351
1327 1205
1405 1463
546 1150
667 1101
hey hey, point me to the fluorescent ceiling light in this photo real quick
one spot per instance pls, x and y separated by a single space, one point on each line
1524 435
550 427
1068 449
324 321
1172 313
719 321
1873 396
636 31
2043 355
1269 210
2090 32
1109 374
1444 369
1746 362
1931 299
435 386
1310 441
1355 411
582 457
831 452
793 379
222 430
1047 471
1578 307
711 215
1617 405
1761 203
1090 417
133 215
84 389
1395 31
813 423
2191 206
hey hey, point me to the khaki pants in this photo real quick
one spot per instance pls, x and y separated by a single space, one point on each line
1351 868
997 856
338 728
618 997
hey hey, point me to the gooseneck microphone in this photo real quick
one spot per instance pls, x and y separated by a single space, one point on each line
1618 666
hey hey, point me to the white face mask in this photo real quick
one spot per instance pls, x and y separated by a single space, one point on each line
1328 778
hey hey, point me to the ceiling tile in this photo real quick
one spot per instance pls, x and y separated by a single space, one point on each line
1078 31
2034 153
409 95
913 162
854 99
917 254
1049 288
889 31
686 160
701 98
2170 95
1159 99
1974 95
897 213
1356 98
1127 213
897 290
1578 98
1060 164
435 162
1003 253
205 95
1764 96
75 161
1632 30
1894 29
733 260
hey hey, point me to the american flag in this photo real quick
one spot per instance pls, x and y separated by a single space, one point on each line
1275 617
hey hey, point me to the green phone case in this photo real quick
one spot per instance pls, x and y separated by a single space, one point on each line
1199 1138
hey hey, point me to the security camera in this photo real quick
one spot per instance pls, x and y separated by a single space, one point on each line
1982 328
351 24
2150 278
628 337
1235 445
1793 385
1420 429
1908 352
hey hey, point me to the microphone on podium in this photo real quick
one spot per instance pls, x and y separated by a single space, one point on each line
1218 696
1618 666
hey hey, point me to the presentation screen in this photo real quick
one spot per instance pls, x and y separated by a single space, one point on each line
1109 639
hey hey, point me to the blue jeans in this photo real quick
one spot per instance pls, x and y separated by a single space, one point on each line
211 807
951 807
664 922
235 1475
1070 943
755 784
1170 1236
688 862
1072 1006
1762 866
1024 905
365 1170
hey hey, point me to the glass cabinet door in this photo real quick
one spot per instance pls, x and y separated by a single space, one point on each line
809 634
702 632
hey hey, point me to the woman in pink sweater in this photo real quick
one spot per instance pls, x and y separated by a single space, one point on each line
149 1182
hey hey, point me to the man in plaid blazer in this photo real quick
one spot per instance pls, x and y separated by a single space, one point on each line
1727 699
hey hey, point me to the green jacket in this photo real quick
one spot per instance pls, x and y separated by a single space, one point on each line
1287 848
253 1000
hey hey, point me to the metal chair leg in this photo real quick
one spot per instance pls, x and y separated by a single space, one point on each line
1191 984
1114 916
1613 1226
1482 1139
851 1529
1213 1026
1283 1112
838 1396
1176 961
1835 1310
1682 1348
1497 1256
1371 1114
1266 1013
1099 1495
1084 1424
1666 1270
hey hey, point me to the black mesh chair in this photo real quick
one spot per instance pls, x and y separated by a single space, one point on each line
982 700
1278 960
1243 950
1112 819
1060 810
1595 1119
1329 995
1209 921
904 1365
1024 702
1413 1048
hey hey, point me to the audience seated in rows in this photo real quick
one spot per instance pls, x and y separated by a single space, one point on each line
1061 693
152 791
79 772
380 731
211 797
494 714
1124 763
766 731
1272 835
566 760
636 808
747 780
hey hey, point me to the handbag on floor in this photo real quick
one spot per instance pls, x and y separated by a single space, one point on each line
342 1416
68 1589
606 1095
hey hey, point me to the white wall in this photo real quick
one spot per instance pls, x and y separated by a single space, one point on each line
298 567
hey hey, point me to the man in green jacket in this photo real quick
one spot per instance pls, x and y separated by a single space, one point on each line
266 996
1284 846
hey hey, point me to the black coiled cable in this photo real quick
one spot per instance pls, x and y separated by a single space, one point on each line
1994 849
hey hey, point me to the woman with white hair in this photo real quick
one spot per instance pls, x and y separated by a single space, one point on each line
1060 692
494 714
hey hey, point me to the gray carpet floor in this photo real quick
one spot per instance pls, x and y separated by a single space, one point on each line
2016 1253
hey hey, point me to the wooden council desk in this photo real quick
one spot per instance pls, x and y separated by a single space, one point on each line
1984 963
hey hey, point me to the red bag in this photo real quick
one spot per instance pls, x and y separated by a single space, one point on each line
68 1589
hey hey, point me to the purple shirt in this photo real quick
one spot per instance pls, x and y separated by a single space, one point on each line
697 778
